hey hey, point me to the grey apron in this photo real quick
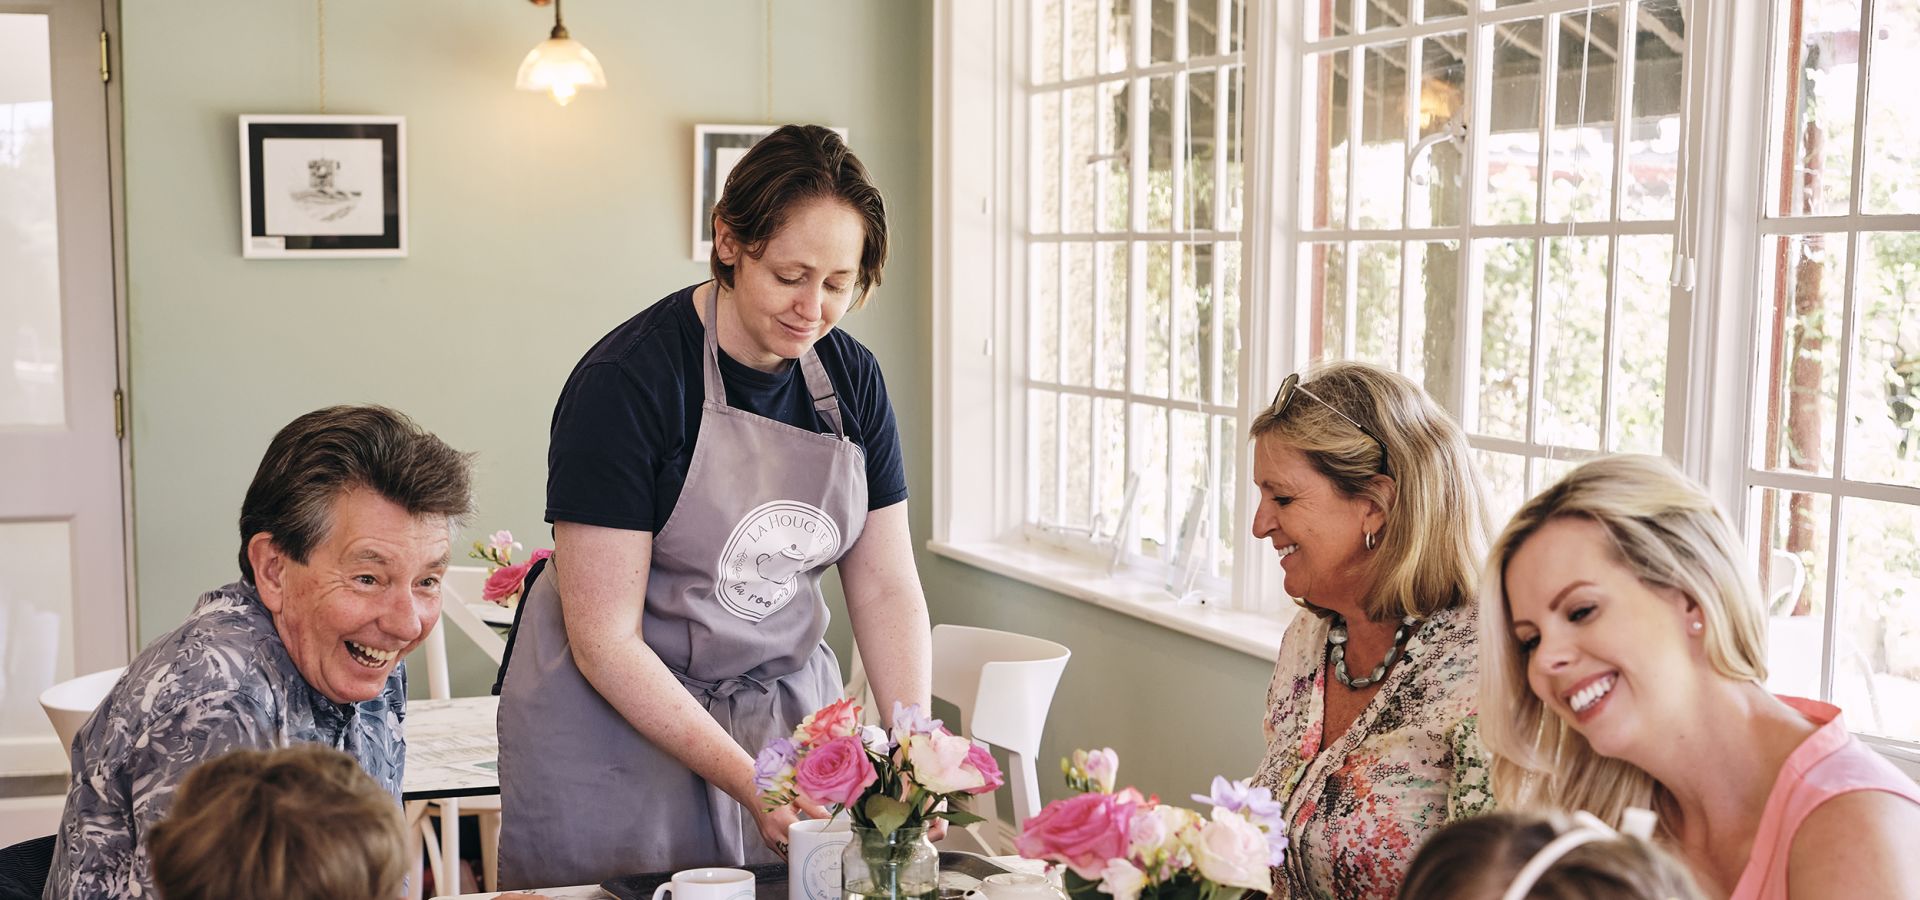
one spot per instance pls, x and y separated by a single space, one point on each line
733 607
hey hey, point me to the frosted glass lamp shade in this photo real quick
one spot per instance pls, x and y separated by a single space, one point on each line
560 66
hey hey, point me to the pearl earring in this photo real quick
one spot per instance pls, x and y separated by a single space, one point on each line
1697 627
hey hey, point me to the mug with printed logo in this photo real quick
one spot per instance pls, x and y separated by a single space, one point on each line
813 857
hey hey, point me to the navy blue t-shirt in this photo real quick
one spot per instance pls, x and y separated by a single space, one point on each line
624 429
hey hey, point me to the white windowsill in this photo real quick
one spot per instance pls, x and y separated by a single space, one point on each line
1250 633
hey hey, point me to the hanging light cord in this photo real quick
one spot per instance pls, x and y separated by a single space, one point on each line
559 26
320 17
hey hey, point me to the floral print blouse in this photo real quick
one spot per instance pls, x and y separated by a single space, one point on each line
1358 810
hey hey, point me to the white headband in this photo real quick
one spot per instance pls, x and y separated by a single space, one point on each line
1587 828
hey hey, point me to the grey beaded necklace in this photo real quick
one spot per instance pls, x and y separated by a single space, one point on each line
1337 652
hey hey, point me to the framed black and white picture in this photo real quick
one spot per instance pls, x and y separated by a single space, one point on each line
716 150
317 186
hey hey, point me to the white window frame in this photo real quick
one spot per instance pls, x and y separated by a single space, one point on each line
978 419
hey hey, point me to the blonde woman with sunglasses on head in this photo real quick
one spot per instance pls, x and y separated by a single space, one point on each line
1624 648
1368 496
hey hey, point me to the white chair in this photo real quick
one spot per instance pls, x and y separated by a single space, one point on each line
1003 685
461 587
71 702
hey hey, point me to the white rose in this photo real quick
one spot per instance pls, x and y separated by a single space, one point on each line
1233 851
1121 879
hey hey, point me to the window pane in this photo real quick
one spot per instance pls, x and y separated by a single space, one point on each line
1544 473
1043 443
1237 26
1047 44
1111 166
1157 326
1573 308
1883 406
1110 462
1082 41
32 364
1802 328
1328 20
1229 370
1233 193
1147 439
1192 309
1203 28
1376 320
1077 344
1505 476
1505 282
1083 149
1640 339
1793 586
1324 179
1043 216
1077 441
1116 34
36 580
1433 284
1160 41
1043 313
1324 274
1653 132
1893 111
1383 136
1437 193
1581 164
1190 480
1111 370
1816 107
1160 140
1444 9
1228 439
1876 669
1512 151
1388 13
1202 143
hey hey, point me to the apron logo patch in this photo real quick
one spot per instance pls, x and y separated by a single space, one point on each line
770 551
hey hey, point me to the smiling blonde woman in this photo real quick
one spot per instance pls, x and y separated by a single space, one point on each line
1623 648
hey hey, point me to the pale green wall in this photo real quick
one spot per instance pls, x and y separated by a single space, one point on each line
534 229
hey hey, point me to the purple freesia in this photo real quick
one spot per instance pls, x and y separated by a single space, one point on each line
912 718
1254 802
774 765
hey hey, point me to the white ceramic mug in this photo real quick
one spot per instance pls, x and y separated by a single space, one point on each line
708 884
813 857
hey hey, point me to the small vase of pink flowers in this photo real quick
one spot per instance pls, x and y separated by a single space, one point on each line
891 782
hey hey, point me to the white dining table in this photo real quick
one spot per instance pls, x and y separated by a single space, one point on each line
596 892
453 748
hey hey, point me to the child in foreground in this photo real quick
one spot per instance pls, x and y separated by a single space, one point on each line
1505 856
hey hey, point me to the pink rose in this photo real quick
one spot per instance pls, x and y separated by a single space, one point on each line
981 761
836 772
939 763
1083 831
837 719
504 582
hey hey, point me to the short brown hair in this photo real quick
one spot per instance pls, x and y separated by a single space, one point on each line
1437 526
329 451
795 164
1477 859
300 823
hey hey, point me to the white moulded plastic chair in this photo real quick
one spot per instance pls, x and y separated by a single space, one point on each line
462 585
71 702
1003 685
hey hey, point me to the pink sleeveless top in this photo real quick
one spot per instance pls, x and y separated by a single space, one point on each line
1827 764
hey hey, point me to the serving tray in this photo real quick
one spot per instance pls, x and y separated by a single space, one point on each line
960 872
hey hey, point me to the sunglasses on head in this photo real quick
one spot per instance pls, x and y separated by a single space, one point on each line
1291 388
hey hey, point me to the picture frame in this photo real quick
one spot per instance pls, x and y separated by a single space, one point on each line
323 186
716 150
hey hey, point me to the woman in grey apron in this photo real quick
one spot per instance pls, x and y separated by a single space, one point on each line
658 653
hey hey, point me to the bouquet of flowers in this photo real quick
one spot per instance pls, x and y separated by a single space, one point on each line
1129 847
884 780
504 576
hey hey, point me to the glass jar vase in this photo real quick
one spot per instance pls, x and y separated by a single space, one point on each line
901 865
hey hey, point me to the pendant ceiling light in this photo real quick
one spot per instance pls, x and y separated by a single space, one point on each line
560 65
